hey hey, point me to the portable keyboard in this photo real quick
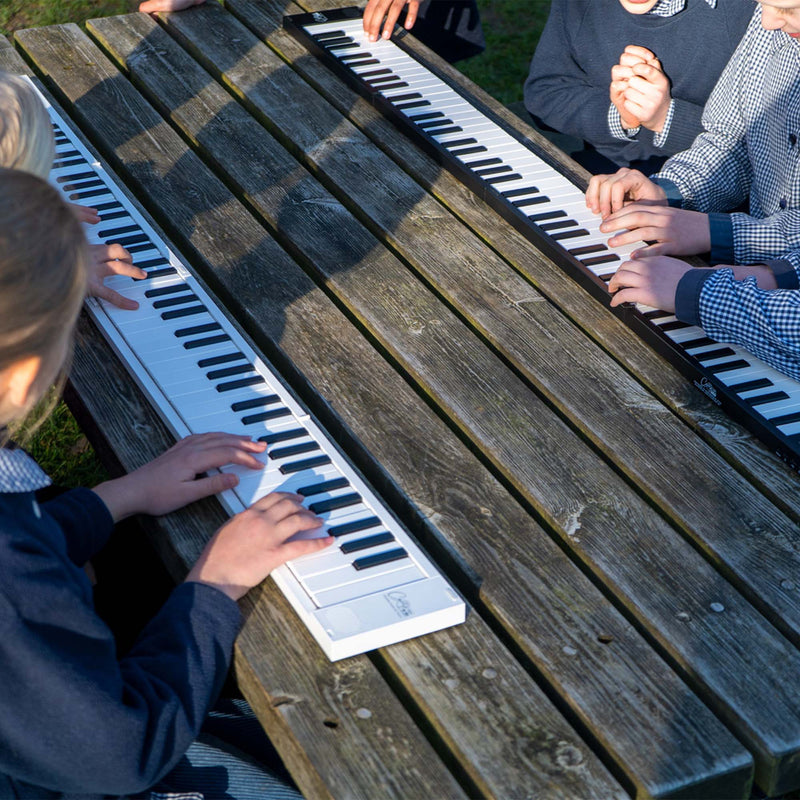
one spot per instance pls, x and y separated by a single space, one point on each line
520 182
374 586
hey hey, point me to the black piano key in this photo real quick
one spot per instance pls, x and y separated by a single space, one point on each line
89 194
710 355
227 372
332 41
162 290
196 344
492 170
159 273
367 542
321 37
79 176
212 361
255 402
405 97
324 487
562 223
545 215
656 314
459 143
332 503
293 450
184 312
483 162
206 328
354 527
283 436
730 366
702 341
110 206
107 216
531 201
675 325
514 176
425 115
430 125
381 87
446 131
265 416
596 261
109 232
129 241
374 73
508 194
62 163
468 151
175 301
750 386
302 466
769 397
570 234
379 80
380 558
229 386
82 186
415 104
359 60
587 249
786 419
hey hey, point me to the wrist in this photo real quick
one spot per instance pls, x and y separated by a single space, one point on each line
117 498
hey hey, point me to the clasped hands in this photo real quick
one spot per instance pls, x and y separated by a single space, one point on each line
640 89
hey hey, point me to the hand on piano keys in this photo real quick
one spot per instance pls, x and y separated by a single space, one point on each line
609 193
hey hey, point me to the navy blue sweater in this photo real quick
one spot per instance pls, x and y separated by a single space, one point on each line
74 719
570 75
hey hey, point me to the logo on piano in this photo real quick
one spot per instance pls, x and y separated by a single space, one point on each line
707 388
400 603
319 17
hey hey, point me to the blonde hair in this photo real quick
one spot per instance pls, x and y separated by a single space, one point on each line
43 278
26 135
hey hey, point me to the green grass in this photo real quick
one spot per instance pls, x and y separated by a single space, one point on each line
16 14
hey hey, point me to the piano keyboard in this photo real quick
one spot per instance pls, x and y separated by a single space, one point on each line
547 208
373 586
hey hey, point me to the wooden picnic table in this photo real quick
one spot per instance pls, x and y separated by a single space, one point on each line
628 553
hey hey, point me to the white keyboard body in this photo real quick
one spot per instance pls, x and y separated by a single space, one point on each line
373 586
513 178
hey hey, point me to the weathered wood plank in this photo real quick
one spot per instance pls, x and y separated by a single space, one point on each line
433 473
531 703
761 466
601 399
420 334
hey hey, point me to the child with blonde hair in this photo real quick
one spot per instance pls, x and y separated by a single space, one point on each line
26 143
74 718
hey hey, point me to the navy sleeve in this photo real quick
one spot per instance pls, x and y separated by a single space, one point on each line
73 717
558 91
85 521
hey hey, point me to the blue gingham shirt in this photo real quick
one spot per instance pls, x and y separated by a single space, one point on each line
663 8
767 323
19 472
750 148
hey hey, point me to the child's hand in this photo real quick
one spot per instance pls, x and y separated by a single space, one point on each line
676 231
151 6
609 193
171 481
85 214
651 281
250 545
111 259
376 10
647 95
621 74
